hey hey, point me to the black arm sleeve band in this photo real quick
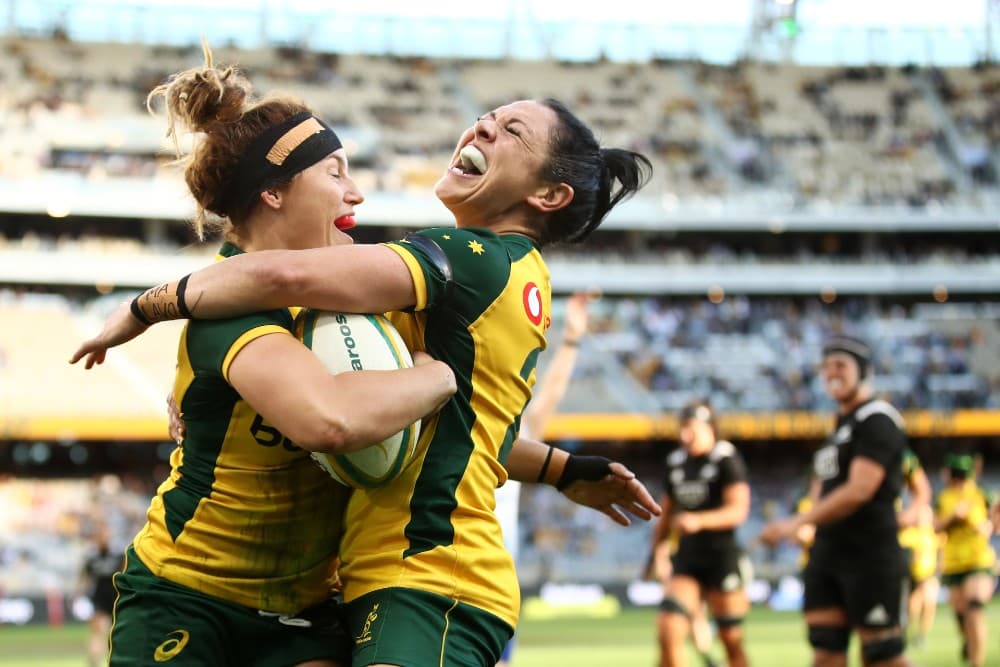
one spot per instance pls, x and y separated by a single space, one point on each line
181 304
586 468
545 466
137 312
437 257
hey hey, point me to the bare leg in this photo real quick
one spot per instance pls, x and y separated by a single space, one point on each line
930 590
701 632
731 605
674 626
97 642
976 591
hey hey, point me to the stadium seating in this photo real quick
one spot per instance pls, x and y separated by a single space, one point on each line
882 173
833 136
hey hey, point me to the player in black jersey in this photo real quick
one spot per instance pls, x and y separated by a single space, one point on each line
706 497
856 572
99 569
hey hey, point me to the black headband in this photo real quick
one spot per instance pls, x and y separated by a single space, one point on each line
279 153
698 411
852 346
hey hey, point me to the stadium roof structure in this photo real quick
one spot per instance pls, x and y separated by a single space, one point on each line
814 32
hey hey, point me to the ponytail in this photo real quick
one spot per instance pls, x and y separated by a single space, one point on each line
601 178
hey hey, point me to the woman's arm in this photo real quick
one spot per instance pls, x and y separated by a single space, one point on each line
920 497
354 279
734 512
552 387
662 530
285 382
593 481
863 479
658 565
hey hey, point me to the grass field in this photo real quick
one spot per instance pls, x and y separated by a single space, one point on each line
773 639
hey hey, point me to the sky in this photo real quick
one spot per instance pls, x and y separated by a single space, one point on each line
951 32
715 12
705 12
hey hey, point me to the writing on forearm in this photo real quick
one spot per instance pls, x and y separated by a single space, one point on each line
161 303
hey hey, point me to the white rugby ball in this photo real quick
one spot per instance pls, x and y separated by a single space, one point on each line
352 342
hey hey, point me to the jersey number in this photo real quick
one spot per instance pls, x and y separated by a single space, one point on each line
826 462
268 436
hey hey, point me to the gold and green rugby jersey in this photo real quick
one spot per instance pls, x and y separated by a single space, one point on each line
924 543
966 547
433 528
911 466
245 514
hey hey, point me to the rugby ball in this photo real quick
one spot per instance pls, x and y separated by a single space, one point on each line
351 342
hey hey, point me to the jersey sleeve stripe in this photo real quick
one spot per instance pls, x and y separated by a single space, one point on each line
416 272
879 407
244 339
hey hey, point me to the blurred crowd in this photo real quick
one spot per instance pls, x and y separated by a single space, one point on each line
841 136
761 353
48 526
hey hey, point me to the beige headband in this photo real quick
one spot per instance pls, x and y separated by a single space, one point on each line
291 140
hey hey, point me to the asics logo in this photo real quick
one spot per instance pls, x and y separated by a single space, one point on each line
169 649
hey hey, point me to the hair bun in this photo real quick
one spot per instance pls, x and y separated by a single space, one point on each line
203 97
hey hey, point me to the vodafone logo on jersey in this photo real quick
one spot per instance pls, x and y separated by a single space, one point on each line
533 303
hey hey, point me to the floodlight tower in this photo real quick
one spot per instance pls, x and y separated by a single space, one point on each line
992 24
520 22
774 27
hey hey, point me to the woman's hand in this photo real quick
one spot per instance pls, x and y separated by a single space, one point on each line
620 490
175 425
686 523
577 316
776 532
448 383
120 327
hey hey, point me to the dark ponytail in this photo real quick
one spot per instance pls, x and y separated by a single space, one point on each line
600 177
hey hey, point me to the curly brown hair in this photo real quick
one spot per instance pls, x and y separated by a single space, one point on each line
218 104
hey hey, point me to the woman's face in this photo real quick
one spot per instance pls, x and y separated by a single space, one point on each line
497 163
840 376
319 204
696 435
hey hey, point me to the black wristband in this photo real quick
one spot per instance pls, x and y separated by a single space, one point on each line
545 466
181 305
586 468
137 312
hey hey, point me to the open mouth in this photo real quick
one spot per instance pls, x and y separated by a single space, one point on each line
345 222
471 162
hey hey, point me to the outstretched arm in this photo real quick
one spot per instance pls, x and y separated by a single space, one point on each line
594 481
552 387
920 498
355 279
